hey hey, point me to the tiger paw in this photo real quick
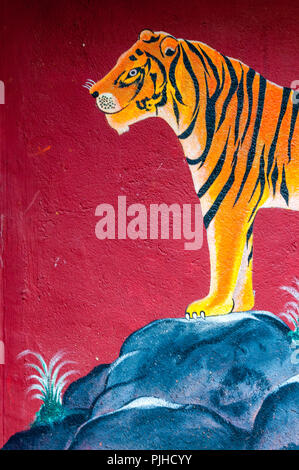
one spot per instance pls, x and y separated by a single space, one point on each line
207 307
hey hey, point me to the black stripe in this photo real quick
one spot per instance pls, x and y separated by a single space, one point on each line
187 132
240 98
152 39
193 78
262 180
156 95
154 80
283 187
175 110
249 233
190 161
284 102
139 52
210 124
209 121
292 127
250 255
262 161
120 75
232 89
140 83
132 57
189 129
249 81
210 114
274 177
139 106
161 66
196 51
210 128
163 100
215 172
236 154
257 124
172 76
212 66
215 206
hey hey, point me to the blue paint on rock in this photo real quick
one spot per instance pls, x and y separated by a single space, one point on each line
216 383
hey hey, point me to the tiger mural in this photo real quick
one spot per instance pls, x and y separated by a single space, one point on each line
240 136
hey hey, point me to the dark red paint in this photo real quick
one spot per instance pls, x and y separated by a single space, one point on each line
60 160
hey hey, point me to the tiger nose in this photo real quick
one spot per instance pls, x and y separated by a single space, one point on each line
95 94
107 103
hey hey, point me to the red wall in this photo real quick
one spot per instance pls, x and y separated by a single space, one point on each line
61 160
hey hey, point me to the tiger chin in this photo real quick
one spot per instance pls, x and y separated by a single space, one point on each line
240 136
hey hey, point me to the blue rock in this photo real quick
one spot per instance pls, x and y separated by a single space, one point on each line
228 364
83 392
221 383
55 437
277 423
159 426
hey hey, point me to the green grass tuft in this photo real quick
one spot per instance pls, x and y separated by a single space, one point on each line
48 385
294 334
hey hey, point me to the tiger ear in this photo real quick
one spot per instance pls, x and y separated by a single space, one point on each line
168 46
146 35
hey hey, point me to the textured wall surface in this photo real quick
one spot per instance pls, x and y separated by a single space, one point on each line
64 288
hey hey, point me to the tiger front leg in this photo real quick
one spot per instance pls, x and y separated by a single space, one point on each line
226 239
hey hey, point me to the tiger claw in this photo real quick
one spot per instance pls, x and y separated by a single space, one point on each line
192 316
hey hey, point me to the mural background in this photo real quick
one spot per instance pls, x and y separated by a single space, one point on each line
63 288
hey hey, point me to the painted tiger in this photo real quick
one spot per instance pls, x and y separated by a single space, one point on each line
240 136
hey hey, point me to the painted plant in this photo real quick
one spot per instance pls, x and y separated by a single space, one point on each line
48 384
291 313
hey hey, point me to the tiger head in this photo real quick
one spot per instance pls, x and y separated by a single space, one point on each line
144 83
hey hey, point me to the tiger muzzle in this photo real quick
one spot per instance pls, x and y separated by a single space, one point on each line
107 102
